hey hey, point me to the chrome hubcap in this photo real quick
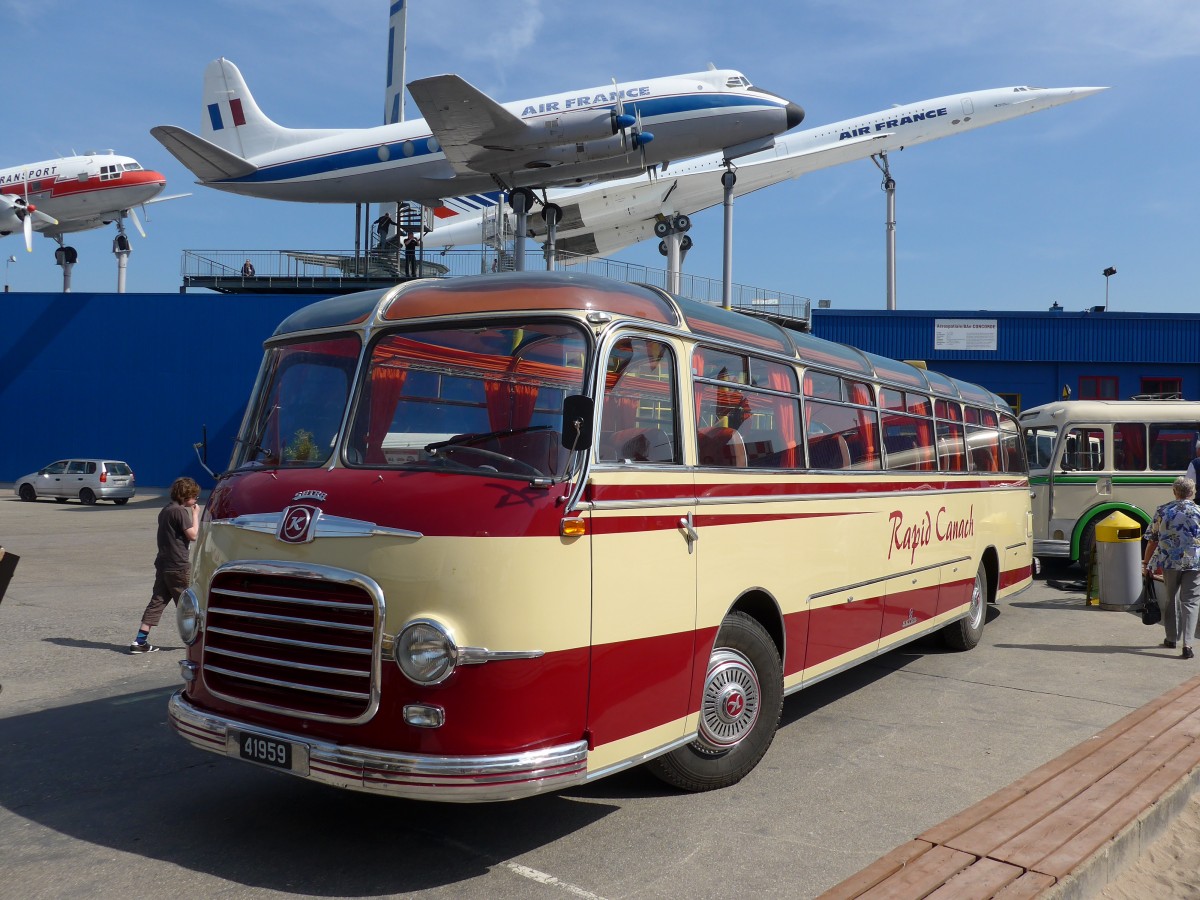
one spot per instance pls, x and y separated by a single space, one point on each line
731 701
976 614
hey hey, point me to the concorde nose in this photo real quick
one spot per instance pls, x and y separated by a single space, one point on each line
795 115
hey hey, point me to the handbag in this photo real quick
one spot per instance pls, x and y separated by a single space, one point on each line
1151 614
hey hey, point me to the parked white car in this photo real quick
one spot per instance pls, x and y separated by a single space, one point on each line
87 480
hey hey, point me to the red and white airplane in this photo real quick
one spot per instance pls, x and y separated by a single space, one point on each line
75 193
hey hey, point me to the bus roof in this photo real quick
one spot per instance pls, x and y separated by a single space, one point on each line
565 291
1113 411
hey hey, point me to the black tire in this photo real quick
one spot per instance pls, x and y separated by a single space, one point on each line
87 497
661 229
739 712
681 222
60 499
121 501
1087 540
27 493
965 633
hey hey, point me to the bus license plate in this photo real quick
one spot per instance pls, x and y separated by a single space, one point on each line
268 751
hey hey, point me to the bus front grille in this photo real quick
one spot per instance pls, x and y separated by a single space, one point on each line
294 644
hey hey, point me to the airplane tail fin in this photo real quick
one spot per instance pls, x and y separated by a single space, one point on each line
232 120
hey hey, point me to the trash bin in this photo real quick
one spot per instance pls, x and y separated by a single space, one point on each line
1119 558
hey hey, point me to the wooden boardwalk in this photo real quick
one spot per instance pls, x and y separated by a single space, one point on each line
1065 829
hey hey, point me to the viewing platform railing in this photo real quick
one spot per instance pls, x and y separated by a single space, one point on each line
338 271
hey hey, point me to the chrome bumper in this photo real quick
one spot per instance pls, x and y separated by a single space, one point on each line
1052 548
459 779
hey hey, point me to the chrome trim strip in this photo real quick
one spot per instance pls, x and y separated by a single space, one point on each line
462 779
881 579
642 757
299 601
290 642
315 572
470 656
688 500
326 526
290 685
271 617
305 667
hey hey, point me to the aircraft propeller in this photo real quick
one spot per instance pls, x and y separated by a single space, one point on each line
134 218
632 133
27 212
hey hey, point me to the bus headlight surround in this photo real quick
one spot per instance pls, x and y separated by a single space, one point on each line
187 616
425 652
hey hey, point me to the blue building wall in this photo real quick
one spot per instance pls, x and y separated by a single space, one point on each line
136 376
1037 353
128 376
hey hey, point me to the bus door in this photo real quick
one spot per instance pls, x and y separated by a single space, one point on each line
644 555
1081 478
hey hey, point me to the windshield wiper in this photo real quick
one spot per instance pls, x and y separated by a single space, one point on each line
471 438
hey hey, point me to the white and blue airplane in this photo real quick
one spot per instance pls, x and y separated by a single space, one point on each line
468 143
598 220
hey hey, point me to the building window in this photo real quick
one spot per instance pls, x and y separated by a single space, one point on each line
1162 389
1013 400
1097 387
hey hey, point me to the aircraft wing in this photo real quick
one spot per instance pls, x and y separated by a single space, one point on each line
205 160
602 241
473 129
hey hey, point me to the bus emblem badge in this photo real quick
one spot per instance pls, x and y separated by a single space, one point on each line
298 524
734 704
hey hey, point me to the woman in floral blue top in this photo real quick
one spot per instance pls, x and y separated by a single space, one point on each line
1174 547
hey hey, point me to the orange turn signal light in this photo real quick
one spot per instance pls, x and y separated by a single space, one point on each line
575 526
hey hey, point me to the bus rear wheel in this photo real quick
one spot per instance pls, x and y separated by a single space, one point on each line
739 710
966 632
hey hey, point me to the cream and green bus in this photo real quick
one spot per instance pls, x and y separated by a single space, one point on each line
1089 458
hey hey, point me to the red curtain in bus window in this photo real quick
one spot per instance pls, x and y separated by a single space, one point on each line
1129 446
524 396
386 384
867 424
807 391
509 404
785 416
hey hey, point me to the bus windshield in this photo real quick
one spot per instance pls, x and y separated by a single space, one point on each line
484 398
1039 446
300 404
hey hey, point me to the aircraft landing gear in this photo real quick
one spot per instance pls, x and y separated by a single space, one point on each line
552 214
521 200
121 250
889 188
66 257
674 245
728 180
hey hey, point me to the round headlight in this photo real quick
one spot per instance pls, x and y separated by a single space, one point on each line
187 616
425 652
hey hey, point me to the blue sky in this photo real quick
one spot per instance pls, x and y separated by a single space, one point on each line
1016 216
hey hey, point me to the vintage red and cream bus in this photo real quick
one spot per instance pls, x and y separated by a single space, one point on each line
487 537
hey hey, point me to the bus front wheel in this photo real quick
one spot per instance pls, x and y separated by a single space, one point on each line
966 632
739 710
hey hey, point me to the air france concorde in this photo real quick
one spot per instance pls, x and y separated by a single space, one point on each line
601 219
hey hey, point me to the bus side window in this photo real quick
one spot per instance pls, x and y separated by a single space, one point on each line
639 419
1084 450
1129 446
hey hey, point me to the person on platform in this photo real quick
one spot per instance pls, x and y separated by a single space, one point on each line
411 243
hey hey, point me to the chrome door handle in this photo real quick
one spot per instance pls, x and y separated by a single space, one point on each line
687 523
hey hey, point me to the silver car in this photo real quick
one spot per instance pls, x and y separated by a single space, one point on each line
88 480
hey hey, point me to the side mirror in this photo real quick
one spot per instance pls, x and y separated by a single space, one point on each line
577 422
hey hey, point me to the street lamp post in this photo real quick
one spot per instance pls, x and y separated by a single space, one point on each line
7 263
1107 273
